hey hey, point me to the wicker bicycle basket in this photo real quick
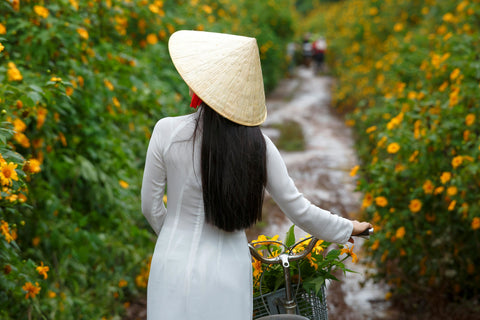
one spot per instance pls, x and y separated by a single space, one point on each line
308 304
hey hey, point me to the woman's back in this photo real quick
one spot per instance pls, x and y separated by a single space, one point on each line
193 259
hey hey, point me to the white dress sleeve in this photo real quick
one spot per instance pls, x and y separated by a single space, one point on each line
154 180
317 222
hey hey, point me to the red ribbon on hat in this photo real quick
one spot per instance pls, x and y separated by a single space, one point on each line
196 101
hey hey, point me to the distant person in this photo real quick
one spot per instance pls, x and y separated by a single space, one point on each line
319 49
307 50
215 165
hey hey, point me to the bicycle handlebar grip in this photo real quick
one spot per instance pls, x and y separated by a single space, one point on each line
365 234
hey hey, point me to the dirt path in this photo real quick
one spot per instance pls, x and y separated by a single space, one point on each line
321 173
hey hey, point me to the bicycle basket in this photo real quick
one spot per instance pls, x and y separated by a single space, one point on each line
308 304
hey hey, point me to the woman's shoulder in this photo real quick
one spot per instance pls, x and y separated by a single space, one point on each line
168 123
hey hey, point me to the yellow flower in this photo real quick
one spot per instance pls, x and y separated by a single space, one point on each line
152 38
451 191
5 230
375 245
452 204
207 9
56 79
373 11
398 27
461 6
381 142
381 201
354 170
457 161
3 30
108 84
437 59
393 148
83 33
123 184
318 247
445 177
13 73
62 138
41 11
448 17
395 121
74 4
371 129
22 139
122 283
400 233
32 166
31 289
469 119
476 223
154 8
41 116
36 241
257 267
413 156
428 187
8 173
367 200
19 125
455 73
115 101
1 47
415 205
443 86
453 97
42 270
350 252
51 294
69 91
438 190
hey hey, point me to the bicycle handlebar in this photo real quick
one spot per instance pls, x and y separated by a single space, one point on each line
280 259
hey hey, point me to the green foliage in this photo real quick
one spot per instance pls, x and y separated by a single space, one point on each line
291 136
81 86
408 72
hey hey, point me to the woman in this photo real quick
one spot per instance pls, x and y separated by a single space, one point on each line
217 164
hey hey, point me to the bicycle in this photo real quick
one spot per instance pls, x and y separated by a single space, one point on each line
289 303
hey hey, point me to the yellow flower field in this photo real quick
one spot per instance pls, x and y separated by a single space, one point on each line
408 76
82 84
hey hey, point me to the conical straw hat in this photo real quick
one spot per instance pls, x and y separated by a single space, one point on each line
224 71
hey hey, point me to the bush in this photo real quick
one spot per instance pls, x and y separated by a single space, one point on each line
82 84
409 75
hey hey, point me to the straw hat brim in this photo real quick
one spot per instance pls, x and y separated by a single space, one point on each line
224 71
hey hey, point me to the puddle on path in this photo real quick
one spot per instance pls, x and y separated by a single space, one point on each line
321 173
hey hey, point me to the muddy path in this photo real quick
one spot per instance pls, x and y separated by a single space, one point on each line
322 173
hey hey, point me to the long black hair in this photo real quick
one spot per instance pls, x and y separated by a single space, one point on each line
233 170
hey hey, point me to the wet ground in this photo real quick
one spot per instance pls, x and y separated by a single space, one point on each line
321 173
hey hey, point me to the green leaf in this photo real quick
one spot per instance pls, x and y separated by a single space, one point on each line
290 236
333 254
